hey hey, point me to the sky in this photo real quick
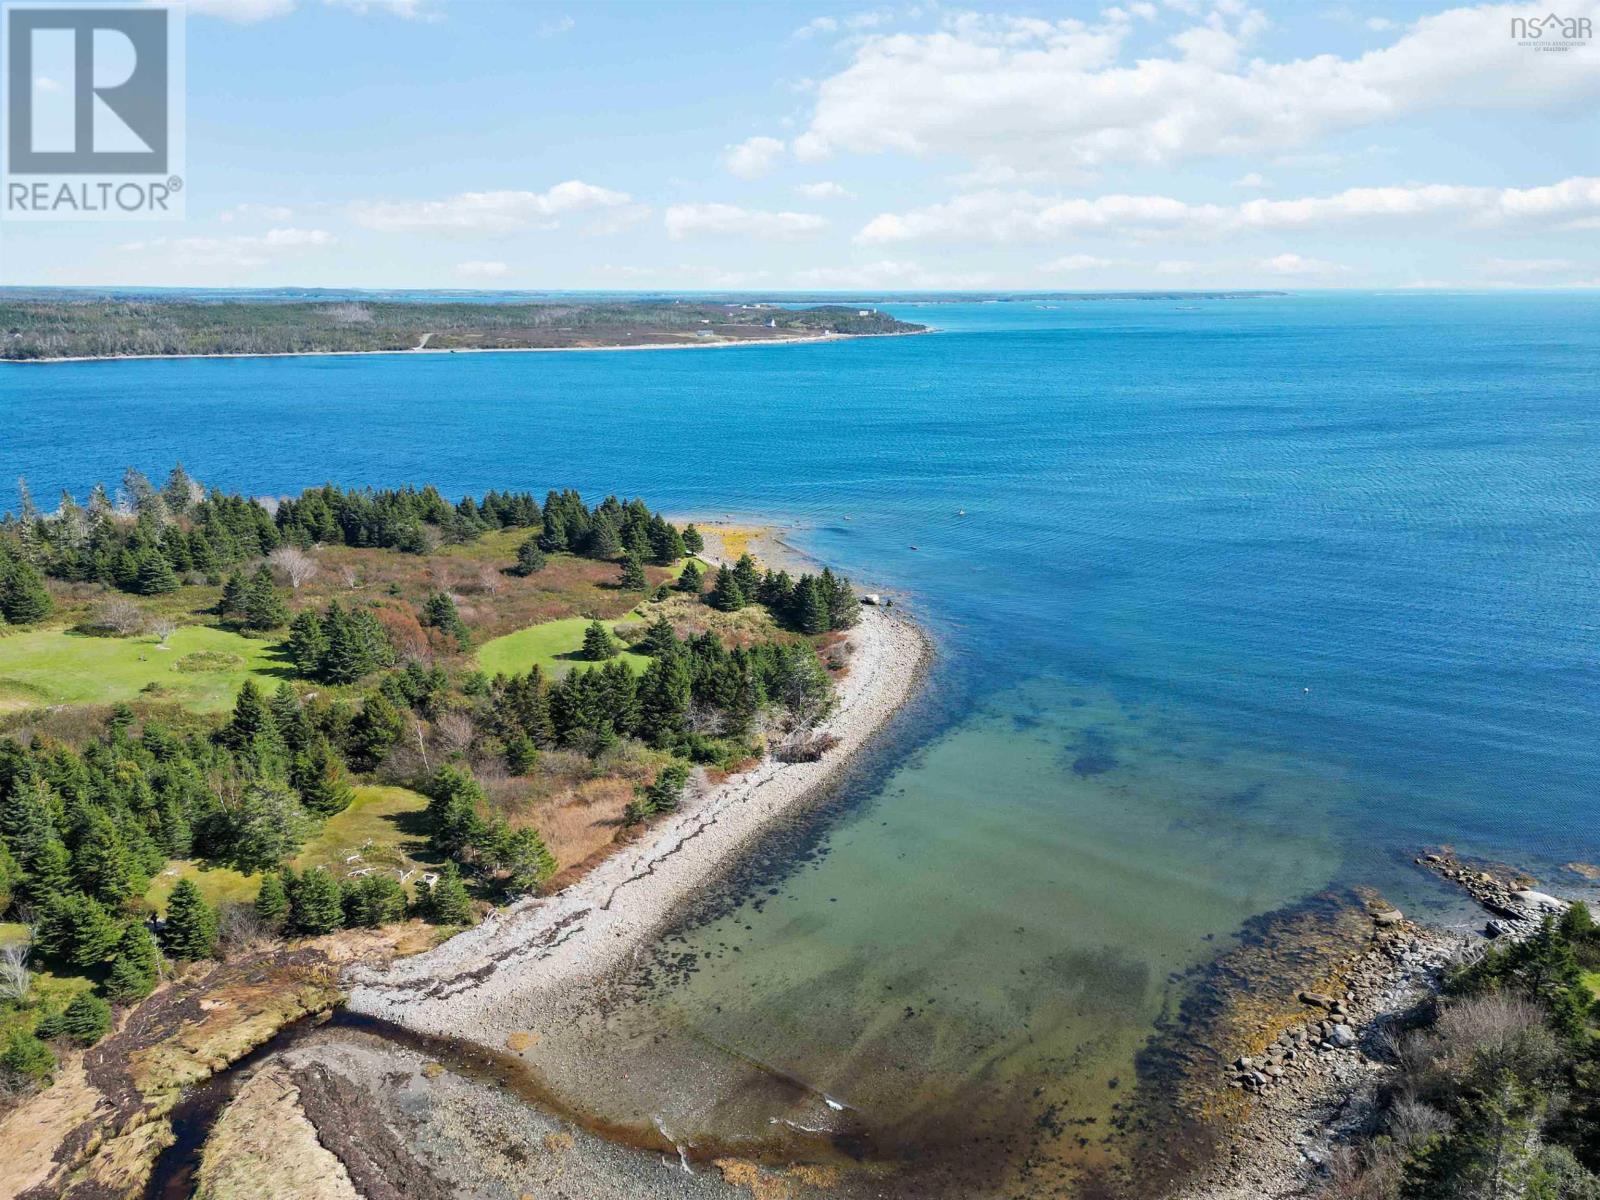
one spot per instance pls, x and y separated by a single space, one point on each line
774 146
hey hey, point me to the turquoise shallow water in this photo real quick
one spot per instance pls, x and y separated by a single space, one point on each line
1250 598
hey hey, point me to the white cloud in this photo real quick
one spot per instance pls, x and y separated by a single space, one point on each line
237 252
753 157
408 10
256 212
1527 266
1176 266
243 11
1295 264
727 220
1250 179
481 269
996 216
488 212
825 189
249 11
1081 262
1380 24
555 26
1029 94
856 23
889 274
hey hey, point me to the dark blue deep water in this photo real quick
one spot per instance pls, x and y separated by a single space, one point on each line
1249 597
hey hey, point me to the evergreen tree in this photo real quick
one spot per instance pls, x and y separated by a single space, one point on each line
1492 1154
373 900
272 900
307 644
321 780
23 599
692 541
843 608
266 827
692 579
233 594
530 558
375 731
86 1020
447 900
527 861
521 754
154 575
452 816
316 904
633 576
263 607
441 613
74 928
813 607
101 864
749 579
660 641
136 965
191 928
726 594
251 718
25 1055
603 541
598 644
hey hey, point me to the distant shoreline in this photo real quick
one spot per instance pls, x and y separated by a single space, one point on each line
416 350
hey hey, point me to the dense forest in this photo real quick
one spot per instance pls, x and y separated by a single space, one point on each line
375 688
101 327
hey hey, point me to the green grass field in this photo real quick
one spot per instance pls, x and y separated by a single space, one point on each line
1592 978
218 885
54 666
379 825
556 646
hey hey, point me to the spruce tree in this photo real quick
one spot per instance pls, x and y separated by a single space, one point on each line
86 1020
23 599
136 965
272 900
191 928
726 594
316 904
598 644
448 902
813 607
375 730
633 576
527 860
692 541
692 579
251 718
155 575
307 644
603 541
25 1055
749 579
530 558
521 754
233 591
321 780
263 607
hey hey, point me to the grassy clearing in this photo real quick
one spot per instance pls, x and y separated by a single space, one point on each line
202 668
556 646
382 825
219 885
1592 980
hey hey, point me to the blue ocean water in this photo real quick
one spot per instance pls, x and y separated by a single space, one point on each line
1249 597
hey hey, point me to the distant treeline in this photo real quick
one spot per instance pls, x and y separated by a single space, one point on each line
104 328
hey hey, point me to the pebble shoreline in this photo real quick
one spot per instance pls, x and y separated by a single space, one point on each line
507 974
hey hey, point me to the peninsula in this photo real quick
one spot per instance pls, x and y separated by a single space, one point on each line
62 327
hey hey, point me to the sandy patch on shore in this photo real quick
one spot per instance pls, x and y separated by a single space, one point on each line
727 538
503 976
